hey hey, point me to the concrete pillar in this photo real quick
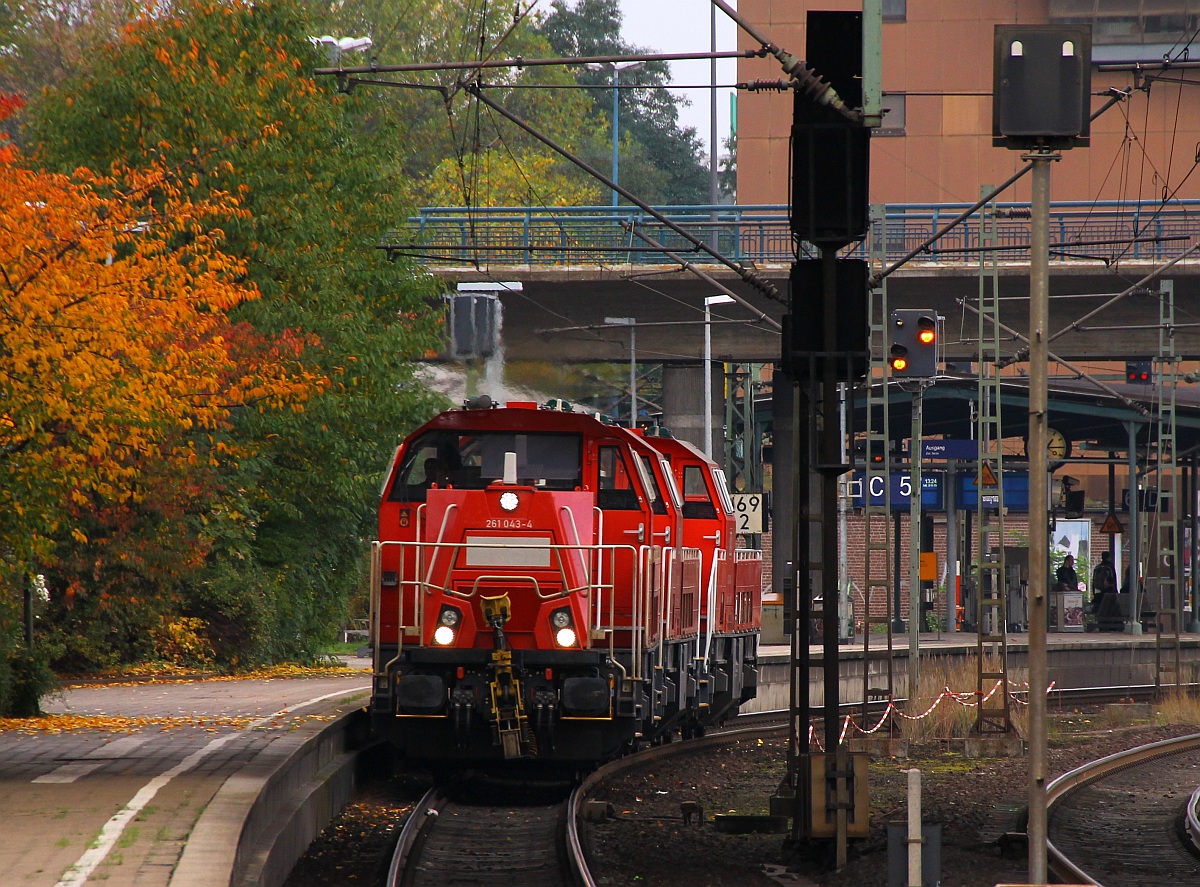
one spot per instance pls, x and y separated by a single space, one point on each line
683 405
783 519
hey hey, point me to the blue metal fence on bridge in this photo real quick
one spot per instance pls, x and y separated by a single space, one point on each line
605 235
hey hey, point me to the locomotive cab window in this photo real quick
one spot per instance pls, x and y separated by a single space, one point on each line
657 504
471 461
697 503
722 486
426 462
551 461
615 490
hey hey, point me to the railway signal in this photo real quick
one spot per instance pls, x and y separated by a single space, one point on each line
913 343
1138 372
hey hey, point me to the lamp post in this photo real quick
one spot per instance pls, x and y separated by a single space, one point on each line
616 115
632 324
709 301
336 46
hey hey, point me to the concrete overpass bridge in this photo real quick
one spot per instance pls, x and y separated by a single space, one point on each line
578 266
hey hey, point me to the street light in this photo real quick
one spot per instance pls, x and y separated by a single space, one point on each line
336 46
632 324
709 301
616 114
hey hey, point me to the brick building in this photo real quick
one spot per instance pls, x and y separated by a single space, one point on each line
935 145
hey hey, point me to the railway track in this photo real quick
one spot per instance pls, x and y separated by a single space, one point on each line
479 832
482 833
1120 821
470 837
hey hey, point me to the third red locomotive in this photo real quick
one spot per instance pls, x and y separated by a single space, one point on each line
549 586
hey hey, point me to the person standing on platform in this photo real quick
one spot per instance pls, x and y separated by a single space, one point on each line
1068 579
1104 580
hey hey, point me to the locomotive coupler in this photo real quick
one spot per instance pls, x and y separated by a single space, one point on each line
511 728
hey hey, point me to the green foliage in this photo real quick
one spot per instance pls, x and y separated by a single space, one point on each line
25 675
221 90
29 679
457 151
669 169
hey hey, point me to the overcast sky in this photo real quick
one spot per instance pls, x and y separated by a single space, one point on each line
685 26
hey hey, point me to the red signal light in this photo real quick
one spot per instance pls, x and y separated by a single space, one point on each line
926 330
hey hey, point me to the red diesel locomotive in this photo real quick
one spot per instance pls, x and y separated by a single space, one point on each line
550 587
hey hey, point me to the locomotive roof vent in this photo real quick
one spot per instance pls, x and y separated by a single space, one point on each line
559 405
479 402
658 431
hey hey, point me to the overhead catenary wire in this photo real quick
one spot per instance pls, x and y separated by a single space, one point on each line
1114 96
1108 389
749 276
1023 353
577 61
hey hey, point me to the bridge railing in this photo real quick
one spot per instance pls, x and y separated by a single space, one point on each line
604 235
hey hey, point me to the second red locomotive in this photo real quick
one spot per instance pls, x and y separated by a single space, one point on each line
552 587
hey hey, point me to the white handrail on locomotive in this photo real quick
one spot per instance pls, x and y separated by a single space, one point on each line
744 600
411 590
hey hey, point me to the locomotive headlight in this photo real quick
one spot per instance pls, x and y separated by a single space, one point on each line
509 501
447 628
564 632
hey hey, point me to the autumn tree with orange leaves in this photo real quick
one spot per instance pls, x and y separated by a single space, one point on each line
114 340
119 364
222 89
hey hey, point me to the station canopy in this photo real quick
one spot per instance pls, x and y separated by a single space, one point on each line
1092 419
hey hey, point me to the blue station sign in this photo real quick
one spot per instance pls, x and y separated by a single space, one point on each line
949 449
1016 492
933 496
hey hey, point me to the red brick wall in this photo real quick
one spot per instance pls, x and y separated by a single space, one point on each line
1016 528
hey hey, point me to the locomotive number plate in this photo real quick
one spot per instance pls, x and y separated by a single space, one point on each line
508 523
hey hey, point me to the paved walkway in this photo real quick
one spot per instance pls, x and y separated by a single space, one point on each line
97 806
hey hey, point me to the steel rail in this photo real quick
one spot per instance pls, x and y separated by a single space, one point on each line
416 827
406 865
1066 869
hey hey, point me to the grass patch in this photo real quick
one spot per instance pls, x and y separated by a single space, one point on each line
944 706
349 648
127 837
1180 707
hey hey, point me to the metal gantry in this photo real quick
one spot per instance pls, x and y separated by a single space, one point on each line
1166 539
992 714
743 455
877 662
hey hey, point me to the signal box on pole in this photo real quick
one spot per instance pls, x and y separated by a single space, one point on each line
913 343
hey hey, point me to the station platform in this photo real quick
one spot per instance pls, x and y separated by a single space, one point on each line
1074 660
154 783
